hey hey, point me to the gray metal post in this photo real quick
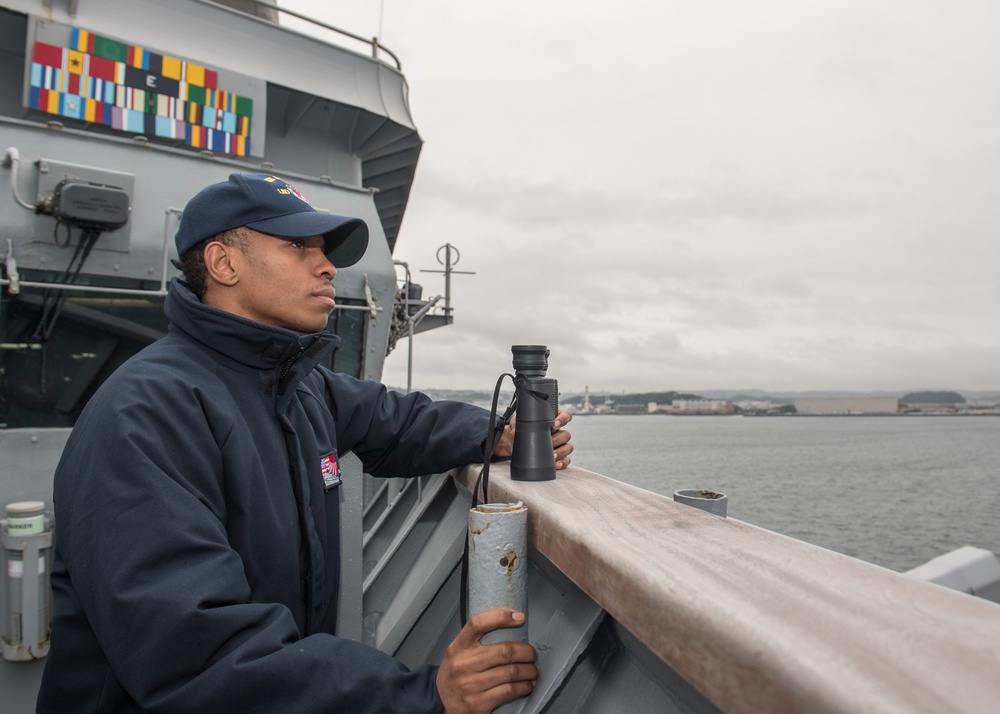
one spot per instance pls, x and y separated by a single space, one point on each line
498 564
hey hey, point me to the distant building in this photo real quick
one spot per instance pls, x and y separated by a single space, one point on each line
696 406
630 409
757 405
847 405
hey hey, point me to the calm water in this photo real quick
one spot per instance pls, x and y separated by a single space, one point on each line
896 491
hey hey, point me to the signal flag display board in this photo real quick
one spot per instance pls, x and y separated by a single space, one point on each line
74 73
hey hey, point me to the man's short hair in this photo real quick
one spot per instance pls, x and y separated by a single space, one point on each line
192 263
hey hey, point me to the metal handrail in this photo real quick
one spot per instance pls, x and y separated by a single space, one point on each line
70 287
375 45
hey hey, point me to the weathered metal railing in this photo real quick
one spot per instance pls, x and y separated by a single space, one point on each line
754 620
637 602
372 42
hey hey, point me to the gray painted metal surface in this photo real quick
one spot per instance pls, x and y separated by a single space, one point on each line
332 114
348 155
968 569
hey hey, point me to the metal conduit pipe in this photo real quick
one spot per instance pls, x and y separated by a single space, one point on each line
498 564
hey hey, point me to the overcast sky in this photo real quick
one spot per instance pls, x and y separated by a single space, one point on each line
779 194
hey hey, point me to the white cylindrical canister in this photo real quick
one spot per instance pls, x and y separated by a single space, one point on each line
25 518
498 564
25 596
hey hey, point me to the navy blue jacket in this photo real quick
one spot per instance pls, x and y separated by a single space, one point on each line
197 549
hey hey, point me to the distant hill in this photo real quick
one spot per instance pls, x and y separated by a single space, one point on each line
758 396
647 397
933 398
790 396
482 396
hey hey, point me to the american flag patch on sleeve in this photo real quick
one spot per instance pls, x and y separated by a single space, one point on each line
330 470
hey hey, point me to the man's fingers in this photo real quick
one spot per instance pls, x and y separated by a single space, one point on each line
490 666
562 448
510 689
478 625
476 678
508 674
562 419
480 658
491 674
490 699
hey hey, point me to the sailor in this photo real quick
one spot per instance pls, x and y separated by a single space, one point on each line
197 517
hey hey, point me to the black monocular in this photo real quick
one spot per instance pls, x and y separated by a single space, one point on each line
537 404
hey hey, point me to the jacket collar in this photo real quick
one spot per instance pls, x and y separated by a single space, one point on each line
253 344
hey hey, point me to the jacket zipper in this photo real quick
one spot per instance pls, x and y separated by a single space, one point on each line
285 368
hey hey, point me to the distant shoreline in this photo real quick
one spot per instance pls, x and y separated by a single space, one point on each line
666 414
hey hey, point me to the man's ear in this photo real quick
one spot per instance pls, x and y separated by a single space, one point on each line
218 263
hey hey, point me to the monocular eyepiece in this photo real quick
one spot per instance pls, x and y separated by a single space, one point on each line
530 360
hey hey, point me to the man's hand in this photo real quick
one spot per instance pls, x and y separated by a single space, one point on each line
560 440
476 678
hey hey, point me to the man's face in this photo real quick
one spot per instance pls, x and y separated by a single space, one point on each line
286 282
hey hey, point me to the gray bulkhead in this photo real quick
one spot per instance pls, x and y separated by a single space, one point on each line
337 126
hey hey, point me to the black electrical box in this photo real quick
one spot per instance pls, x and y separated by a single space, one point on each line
90 205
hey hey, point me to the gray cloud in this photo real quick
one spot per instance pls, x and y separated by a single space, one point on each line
774 195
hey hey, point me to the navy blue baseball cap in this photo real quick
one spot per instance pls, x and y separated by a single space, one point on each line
270 205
